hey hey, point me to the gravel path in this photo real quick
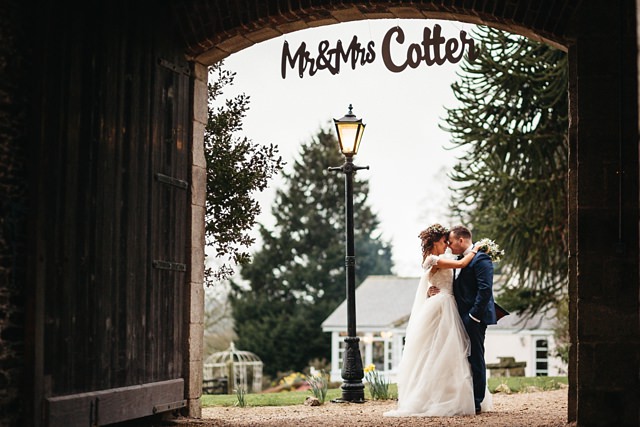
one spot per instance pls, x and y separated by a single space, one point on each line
543 408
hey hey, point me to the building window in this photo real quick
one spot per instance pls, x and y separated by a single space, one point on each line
377 355
375 348
341 346
542 358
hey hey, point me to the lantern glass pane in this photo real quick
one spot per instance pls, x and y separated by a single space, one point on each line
359 137
348 137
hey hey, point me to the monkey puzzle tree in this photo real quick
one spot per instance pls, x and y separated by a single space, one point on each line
512 183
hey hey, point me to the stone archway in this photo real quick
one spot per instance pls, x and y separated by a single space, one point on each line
603 189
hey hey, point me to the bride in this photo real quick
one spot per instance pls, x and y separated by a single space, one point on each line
434 375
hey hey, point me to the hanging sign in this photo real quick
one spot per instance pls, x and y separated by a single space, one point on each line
433 49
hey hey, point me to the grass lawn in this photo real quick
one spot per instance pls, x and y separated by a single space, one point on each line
285 398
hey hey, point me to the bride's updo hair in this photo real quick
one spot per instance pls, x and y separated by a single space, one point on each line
432 234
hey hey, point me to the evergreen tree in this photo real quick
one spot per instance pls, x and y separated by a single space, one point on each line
297 277
236 168
513 182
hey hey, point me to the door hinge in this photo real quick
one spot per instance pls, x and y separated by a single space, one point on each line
169 265
181 69
169 180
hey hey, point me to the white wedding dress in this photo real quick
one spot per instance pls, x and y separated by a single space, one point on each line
434 375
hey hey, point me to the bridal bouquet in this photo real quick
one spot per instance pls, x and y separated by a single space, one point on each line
491 248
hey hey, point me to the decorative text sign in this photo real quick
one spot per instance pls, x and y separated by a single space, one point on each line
434 49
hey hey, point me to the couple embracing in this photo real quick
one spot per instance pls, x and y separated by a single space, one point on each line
443 371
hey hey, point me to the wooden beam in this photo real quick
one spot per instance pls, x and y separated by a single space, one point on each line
115 405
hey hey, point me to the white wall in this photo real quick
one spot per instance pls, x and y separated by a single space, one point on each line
521 345
336 375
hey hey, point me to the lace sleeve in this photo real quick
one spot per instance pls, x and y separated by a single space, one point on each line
430 261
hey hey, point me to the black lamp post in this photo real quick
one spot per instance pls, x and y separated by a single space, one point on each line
350 130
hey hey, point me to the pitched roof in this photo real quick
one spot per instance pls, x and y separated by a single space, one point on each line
381 301
538 321
385 301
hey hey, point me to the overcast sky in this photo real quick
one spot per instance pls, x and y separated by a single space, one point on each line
408 155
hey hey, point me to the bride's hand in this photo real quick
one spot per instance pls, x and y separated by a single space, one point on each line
432 291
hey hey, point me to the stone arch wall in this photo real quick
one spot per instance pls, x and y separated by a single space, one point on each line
212 33
601 39
603 189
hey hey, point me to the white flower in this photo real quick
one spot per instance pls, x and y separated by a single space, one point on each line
491 248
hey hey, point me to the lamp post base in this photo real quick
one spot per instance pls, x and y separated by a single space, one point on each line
352 373
351 393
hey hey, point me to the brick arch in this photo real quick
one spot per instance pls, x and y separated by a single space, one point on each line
213 33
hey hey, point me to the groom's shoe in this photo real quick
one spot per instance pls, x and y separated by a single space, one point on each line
478 410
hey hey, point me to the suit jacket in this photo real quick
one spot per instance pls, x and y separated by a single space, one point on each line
473 289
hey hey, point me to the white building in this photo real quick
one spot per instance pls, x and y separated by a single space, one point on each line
383 306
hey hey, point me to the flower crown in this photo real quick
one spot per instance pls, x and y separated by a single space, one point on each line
437 229
491 248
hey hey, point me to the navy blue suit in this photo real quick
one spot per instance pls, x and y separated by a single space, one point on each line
473 290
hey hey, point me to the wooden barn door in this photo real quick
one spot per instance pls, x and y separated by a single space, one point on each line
112 218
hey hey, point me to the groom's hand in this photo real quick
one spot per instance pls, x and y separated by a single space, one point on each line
432 291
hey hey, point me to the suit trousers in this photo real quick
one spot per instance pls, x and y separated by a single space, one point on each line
476 331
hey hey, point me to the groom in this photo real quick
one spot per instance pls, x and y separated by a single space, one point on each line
473 291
